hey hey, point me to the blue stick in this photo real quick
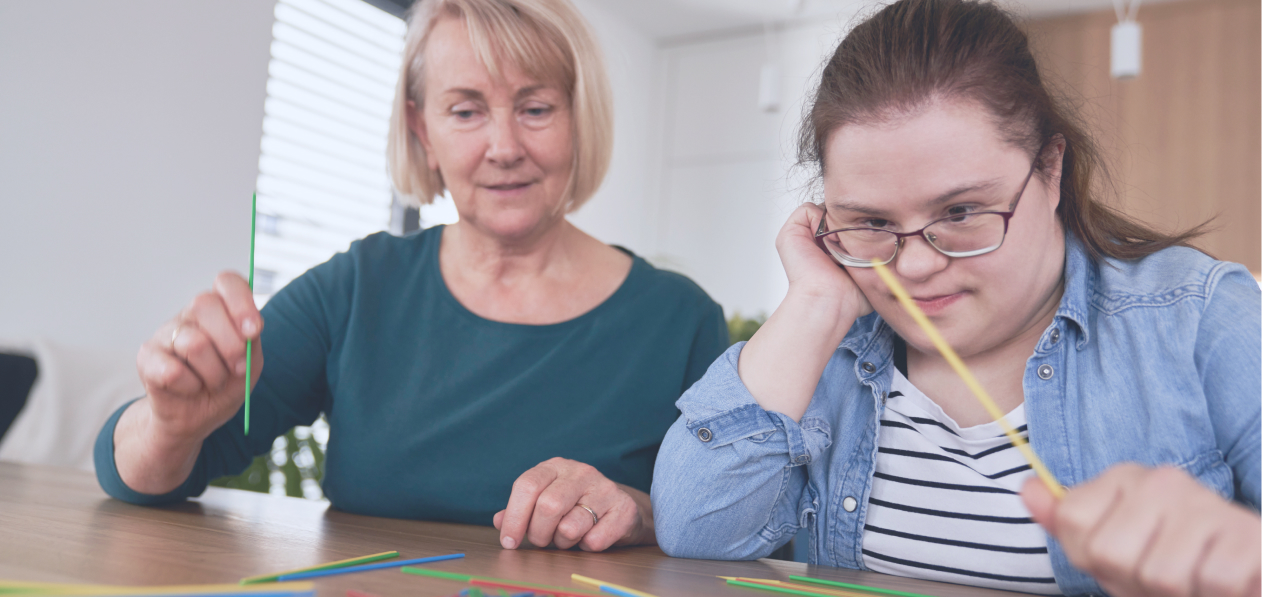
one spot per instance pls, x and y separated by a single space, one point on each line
365 568
618 592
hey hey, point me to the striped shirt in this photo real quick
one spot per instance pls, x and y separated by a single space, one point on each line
945 504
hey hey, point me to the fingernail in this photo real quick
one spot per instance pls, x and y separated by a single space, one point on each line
241 367
508 542
247 326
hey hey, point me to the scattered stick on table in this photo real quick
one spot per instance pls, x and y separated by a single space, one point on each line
352 569
619 590
385 555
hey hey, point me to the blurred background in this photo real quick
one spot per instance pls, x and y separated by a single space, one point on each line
133 133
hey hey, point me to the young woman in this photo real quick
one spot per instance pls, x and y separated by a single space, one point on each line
1129 361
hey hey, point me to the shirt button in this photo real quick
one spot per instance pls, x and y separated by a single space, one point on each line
849 504
801 459
1045 371
1055 336
868 367
704 434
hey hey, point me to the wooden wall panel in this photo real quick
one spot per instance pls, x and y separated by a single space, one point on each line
1185 137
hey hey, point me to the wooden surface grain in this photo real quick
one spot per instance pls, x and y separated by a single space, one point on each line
56 525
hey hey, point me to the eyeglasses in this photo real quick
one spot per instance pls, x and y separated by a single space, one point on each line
960 235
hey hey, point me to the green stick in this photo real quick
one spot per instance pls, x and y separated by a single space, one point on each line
249 344
833 583
774 588
437 573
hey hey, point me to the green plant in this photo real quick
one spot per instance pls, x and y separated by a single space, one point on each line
294 467
740 329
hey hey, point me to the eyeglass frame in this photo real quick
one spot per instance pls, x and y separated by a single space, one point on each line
899 236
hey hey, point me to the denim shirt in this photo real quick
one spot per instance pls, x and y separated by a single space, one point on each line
1154 361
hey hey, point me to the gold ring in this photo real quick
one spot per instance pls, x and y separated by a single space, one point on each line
595 519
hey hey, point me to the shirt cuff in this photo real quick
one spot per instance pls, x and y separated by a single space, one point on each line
719 410
107 470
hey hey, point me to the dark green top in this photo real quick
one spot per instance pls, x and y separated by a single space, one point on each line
434 411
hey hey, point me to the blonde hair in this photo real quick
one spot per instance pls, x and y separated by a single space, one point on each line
549 41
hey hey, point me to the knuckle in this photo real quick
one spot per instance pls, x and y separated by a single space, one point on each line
569 531
204 301
1162 580
1104 560
550 506
526 484
196 343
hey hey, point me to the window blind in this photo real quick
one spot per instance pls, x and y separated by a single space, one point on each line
322 170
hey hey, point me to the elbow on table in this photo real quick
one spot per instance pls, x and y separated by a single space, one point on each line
686 529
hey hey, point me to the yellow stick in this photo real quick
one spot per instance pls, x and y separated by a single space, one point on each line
817 589
385 555
591 582
954 360
101 590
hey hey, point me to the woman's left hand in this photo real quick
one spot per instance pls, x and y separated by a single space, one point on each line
1145 531
544 509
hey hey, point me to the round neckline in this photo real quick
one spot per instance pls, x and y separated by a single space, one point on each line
435 267
982 432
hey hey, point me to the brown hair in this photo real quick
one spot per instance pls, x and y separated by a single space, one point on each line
913 52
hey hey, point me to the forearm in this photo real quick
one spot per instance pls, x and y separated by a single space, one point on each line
782 363
148 460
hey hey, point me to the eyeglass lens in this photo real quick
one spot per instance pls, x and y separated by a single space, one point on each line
964 235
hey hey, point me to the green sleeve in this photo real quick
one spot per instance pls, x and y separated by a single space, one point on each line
300 325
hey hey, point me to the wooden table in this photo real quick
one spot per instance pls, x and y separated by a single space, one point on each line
57 525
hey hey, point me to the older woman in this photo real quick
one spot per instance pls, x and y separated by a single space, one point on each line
451 363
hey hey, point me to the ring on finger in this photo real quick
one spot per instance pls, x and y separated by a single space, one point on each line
595 519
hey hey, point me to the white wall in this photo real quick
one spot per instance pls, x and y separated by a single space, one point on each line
623 211
129 146
129 143
726 165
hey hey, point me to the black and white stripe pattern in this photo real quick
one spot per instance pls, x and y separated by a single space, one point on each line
945 503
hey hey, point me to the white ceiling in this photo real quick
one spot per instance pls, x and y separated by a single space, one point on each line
683 18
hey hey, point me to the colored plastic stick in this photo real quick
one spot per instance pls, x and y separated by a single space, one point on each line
351 569
501 583
249 344
605 586
833 583
519 586
276 590
438 574
775 588
956 363
385 555
802 587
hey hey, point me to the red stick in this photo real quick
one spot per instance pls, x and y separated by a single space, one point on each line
481 582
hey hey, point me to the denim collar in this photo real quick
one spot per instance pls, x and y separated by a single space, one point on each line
872 335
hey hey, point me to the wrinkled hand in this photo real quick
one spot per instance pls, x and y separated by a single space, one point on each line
809 267
1143 531
193 368
544 509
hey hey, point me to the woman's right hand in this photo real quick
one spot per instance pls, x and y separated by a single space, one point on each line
193 368
781 365
810 269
